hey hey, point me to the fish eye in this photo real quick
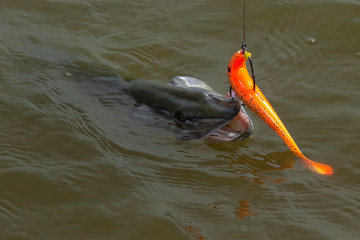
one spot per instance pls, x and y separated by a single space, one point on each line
180 116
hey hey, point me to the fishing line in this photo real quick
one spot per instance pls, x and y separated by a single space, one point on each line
243 45
244 48
244 22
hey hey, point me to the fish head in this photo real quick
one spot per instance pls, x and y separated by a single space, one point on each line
202 111
239 128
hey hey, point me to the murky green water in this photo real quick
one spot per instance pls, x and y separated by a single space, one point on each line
73 167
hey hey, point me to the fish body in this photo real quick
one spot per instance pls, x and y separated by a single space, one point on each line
187 103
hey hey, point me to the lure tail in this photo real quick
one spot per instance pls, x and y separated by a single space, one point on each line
243 85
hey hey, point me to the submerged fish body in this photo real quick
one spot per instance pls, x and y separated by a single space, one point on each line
189 106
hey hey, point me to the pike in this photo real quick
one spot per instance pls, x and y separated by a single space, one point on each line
187 103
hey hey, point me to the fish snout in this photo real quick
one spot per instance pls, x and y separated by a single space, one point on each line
231 106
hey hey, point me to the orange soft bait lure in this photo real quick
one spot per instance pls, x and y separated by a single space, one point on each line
243 85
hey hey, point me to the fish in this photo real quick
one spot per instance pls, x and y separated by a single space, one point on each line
190 106
246 89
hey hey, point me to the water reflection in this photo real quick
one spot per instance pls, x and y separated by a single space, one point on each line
244 210
250 165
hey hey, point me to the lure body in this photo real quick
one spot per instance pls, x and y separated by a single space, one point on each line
242 84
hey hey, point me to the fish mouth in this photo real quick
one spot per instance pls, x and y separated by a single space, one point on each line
199 127
239 128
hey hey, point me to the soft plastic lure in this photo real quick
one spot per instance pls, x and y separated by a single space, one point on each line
243 85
